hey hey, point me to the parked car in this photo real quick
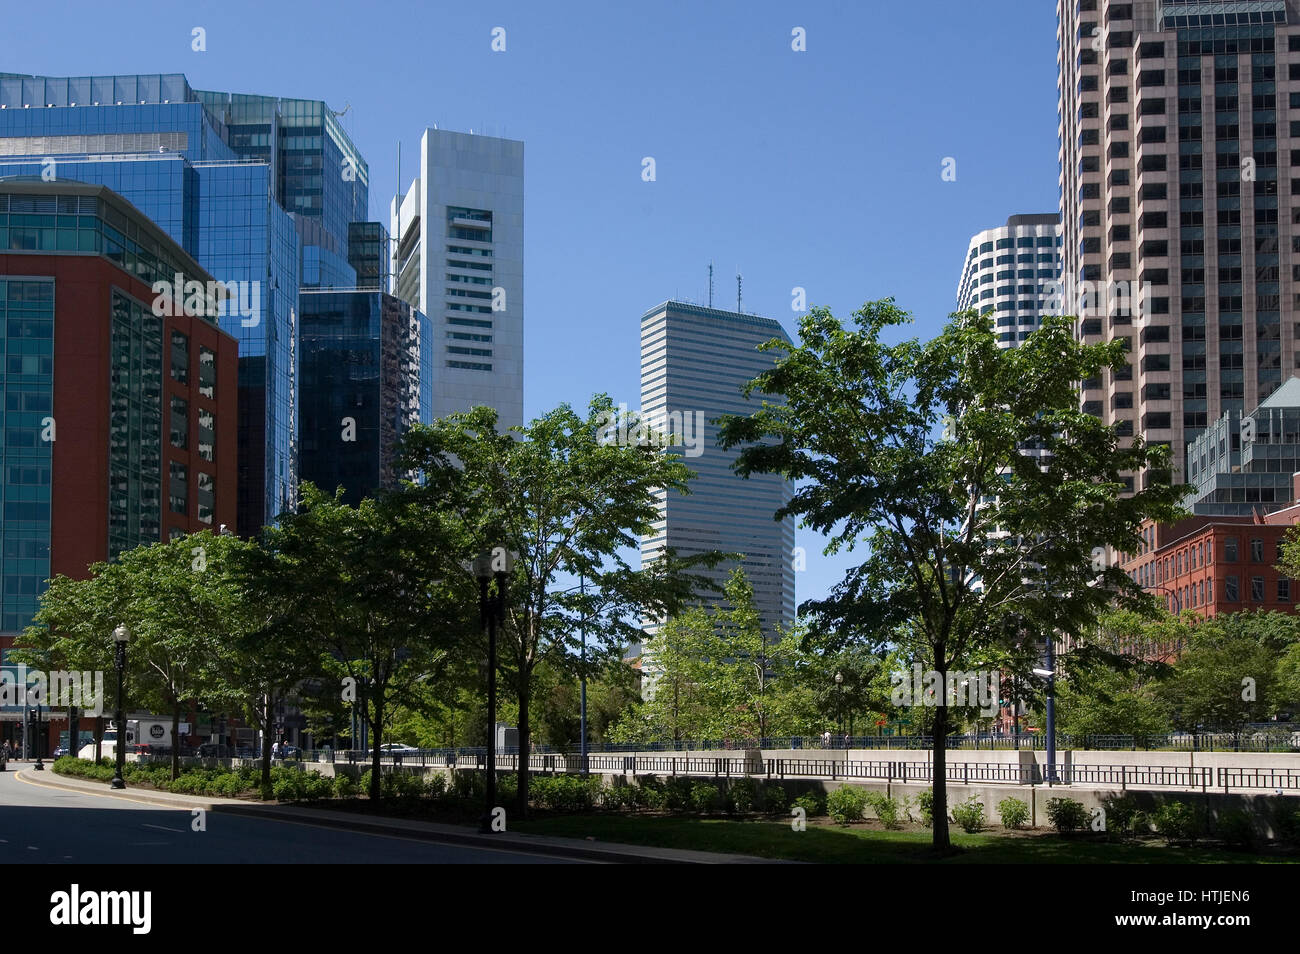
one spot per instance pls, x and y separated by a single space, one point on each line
290 753
214 750
388 748
60 751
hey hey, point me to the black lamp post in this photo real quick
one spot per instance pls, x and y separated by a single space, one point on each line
37 741
498 562
120 637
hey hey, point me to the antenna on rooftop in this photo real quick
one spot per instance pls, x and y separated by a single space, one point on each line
710 284
738 281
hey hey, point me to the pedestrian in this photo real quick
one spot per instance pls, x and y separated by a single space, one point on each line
275 750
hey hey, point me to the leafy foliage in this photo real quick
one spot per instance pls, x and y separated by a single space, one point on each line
858 433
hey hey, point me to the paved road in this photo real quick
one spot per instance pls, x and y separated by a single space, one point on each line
54 826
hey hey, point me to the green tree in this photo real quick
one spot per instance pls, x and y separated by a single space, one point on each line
184 603
1228 676
376 590
570 503
915 449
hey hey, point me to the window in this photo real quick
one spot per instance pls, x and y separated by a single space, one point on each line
207 434
178 491
180 423
1256 551
1284 590
207 372
206 497
1257 589
180 362
1230 589
1230 549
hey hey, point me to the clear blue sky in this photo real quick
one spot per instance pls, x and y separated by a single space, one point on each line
818 169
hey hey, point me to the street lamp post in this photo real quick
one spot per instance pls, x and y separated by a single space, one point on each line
36 740
120 637
839 681
497 562
582 712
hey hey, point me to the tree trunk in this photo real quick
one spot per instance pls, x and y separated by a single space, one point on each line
176 740
99 738
941 842
376 772
74 732
521 802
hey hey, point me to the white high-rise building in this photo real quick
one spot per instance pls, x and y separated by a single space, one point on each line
1009 270
694 361
460 259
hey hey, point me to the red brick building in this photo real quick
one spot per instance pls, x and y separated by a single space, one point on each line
1217 564
119 426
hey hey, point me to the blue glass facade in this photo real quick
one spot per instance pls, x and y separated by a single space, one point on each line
320 177
364 385
27 389
217 191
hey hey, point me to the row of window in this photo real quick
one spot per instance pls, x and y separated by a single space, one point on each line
1201 593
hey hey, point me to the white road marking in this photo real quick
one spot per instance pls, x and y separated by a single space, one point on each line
178 831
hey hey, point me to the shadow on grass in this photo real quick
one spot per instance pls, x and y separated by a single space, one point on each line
773 839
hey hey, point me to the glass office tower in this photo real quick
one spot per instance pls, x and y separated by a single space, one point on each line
259 190
365 384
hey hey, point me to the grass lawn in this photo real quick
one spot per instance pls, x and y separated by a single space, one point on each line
860 844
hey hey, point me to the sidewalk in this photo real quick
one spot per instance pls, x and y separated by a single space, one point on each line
608 852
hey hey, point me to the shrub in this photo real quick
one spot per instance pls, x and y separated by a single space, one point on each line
345 786
1287 823
677 792
1123 817
469 784
925 806
619 798
230 785
887 809
1066 814
814 803
969 814
435 786
565 793
1237 828
1013 812
648 792
1177 821
743 795
508 788
706 798
404 785
775 799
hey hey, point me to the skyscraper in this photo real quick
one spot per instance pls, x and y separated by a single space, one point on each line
260 190
1178 184
365 382
1008 271
694 361
459 234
